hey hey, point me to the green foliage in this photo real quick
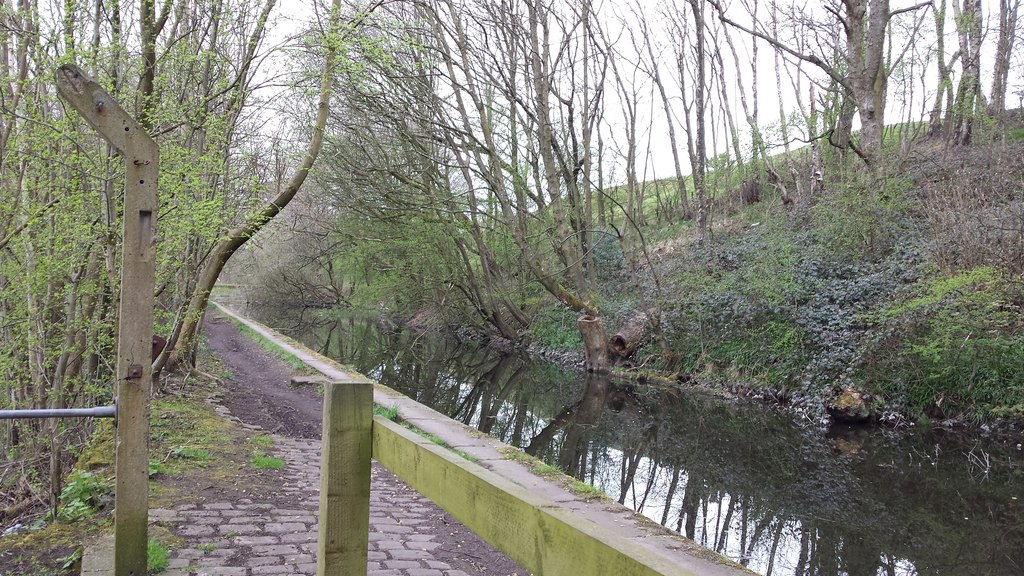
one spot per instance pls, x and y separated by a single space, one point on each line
858 221
262 441
81 495
955 346
556 329
542 469
586 491
156 467
436 440
261 461
1016 134
157 556
391 413
939 290
198 456
71 560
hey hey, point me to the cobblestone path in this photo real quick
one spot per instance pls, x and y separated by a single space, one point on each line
409 535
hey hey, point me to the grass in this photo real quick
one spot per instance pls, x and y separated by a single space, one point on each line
554 473
546 470
157 556
391 413
263 441
190 434
586 491
198 456
440 442
261 461
206 548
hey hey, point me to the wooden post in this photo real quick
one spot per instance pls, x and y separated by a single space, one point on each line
343 535
135 320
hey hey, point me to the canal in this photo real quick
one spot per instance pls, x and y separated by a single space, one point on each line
735 477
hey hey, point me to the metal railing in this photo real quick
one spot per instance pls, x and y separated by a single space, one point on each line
97 412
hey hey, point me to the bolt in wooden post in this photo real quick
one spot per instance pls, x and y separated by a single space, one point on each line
135 320
344 530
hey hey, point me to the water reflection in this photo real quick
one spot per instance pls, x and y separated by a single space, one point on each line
734 478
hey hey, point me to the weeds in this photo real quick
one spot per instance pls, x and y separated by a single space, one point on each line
261 461
390 413
81 495
198 456
439 442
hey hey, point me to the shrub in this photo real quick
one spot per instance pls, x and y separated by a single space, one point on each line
860 222
81 495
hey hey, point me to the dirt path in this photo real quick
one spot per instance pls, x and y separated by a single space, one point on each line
259 392
410 536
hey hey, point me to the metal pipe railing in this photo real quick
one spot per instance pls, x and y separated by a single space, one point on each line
97 412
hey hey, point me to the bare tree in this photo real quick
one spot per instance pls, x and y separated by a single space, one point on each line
861 73
652 67
945 86
1009 11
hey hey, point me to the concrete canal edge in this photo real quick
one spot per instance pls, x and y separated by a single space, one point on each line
655 548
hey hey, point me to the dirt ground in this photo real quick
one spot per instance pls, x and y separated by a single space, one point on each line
258 392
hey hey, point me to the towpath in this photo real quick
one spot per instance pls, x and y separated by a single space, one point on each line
273 530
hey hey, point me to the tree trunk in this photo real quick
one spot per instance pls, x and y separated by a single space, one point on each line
700 103
968 90
595 343
945 86
632 335
1008 13
865 24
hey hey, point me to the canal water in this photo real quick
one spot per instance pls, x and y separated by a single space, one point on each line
736 478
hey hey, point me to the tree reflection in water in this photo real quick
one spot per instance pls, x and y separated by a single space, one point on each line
736 478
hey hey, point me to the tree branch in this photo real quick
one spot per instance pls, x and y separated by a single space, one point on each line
774 42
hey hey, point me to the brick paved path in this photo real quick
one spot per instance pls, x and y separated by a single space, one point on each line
249 538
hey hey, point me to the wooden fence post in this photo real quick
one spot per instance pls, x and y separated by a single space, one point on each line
135 319
344 529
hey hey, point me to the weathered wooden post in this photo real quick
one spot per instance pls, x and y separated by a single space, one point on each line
135 319
345 453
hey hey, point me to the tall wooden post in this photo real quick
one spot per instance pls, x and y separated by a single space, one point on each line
135 320
345 452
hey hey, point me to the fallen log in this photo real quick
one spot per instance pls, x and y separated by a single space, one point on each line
631 335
